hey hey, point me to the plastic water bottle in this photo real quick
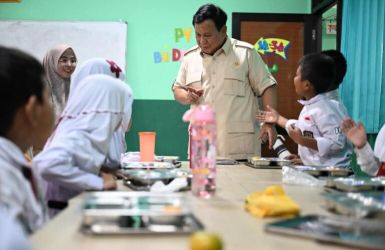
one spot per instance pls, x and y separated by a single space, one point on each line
203 150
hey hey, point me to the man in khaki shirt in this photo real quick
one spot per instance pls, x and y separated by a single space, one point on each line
228 75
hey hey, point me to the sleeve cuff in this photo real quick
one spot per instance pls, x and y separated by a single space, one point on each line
94 183
290 122
365 152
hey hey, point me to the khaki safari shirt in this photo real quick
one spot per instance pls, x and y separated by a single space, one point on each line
231 80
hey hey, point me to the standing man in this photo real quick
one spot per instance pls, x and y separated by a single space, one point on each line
228 75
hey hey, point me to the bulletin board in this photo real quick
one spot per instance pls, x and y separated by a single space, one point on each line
88 39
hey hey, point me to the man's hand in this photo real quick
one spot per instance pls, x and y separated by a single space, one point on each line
193 95
187 95
268 133
354 132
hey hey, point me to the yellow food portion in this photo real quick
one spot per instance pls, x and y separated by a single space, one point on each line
272 202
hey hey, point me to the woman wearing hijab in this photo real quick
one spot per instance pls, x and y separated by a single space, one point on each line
72 158
59 63
107 67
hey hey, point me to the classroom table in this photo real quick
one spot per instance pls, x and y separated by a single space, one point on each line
223 214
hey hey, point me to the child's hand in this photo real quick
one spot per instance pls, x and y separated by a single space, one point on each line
354 132
269 116
295 159
109 182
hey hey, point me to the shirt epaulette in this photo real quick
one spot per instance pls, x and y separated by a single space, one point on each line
244 44
191 49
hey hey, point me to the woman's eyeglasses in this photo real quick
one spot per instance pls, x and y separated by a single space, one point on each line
71 61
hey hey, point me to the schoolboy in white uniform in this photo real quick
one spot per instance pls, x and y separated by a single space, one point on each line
26 117
317 133
341 66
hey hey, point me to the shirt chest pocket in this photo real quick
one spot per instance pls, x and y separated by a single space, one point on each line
235 84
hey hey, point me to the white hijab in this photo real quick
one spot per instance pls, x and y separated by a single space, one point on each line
92 114
107 67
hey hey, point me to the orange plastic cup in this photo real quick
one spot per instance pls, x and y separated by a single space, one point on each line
147 146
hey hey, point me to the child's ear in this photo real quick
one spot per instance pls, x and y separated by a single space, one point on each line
31 110
307 85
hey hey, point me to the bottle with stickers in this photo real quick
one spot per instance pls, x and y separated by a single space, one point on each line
203 136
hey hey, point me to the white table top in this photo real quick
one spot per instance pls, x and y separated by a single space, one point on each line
224 214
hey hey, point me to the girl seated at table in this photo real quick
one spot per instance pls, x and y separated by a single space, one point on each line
77 149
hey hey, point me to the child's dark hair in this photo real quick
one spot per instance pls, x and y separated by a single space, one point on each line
319 70
21 76
210 11
341 66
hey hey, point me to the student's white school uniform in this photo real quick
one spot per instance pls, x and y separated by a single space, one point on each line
320 119
12 236
73 155
106 67
335 97
17 197
371 162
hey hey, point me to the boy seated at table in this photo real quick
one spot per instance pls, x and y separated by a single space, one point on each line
27 119
372 163
317 130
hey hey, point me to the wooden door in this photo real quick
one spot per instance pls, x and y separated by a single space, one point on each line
281 40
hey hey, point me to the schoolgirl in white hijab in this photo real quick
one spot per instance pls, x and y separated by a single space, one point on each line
72 158
107 67
59 63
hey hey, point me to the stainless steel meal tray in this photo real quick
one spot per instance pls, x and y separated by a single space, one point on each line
324 171
357 205
149 165
123 225
134 203
357 184
142 180
137 213
333 229
166 158
267 162
148 177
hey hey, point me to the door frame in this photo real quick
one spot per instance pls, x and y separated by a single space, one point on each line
318 7
312 28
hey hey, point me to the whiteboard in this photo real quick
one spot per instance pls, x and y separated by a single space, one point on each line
88 39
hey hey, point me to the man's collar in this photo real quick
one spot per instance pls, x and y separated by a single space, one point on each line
225 48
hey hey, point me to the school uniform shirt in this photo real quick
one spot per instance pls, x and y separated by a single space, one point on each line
335 97
320 119
373 163
78 147
231 78
12 236
110 68
17 196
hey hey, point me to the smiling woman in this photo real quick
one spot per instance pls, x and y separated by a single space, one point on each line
59 64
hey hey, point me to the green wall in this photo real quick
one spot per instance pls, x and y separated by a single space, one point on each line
152 26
